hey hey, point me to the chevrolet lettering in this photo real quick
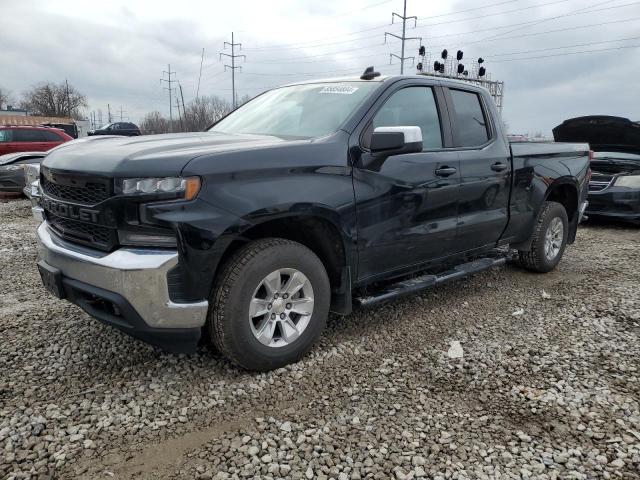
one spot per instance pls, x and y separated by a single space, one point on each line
67 210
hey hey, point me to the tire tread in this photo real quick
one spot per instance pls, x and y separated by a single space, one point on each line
228 277
531 259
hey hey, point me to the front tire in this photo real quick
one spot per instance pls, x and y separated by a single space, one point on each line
549 239
270 304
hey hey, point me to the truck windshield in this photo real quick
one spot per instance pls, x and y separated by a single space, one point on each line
299 111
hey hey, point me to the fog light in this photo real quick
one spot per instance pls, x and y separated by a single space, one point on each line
146 240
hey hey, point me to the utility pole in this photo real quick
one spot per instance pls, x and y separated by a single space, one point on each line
199 76
179 114
184 111
169 81
233 67
109 112
121 113
403 38
68 98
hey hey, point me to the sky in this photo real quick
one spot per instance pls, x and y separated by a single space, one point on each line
557 58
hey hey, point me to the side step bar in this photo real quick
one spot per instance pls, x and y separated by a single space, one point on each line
412 285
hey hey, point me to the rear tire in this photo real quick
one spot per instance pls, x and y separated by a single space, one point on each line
253 320
549 239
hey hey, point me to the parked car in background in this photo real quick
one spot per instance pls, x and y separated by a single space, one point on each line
70 129
614 189
126 129
12 170
311 197
30 139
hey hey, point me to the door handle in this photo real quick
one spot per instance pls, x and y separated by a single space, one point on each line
445 171
499 167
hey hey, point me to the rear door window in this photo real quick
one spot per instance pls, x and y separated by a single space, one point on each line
471 127
27 135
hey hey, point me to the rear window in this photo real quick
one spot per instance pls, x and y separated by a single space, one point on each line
51 136
5 136
471 123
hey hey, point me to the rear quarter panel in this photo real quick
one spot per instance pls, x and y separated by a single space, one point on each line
537 169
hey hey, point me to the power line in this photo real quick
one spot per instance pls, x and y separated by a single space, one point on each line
200 76
285 46
477 17
353 71
567 53
233 67
310 44
294 60
467 10
548 19
527 23
302 46
463 44
528 34
561 47
403 38
357 10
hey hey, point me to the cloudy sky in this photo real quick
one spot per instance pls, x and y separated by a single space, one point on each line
558 58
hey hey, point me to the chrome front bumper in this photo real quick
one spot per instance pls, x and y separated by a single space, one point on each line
139 275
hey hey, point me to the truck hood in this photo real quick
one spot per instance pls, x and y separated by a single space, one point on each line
149 155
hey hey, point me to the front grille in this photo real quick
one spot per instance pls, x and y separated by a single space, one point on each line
600 181
86 191
95 236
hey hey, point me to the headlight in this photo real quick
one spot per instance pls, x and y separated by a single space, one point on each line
13 167
629 181
183 187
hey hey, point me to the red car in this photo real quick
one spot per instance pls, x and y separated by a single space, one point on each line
30 139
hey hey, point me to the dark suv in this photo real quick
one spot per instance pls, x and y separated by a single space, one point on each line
125 129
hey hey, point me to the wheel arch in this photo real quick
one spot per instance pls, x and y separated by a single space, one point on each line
318 231
563 190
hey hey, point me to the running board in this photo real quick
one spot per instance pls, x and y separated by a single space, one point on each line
416 284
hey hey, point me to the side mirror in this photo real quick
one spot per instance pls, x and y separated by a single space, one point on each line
388 141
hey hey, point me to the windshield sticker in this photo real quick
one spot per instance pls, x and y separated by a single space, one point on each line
340 89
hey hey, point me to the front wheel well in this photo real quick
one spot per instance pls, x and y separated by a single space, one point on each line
318 234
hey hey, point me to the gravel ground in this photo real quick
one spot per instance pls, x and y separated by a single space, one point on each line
548 385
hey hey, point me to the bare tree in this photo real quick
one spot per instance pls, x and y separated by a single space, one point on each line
54 100
5 97
153 123
200 114
204 111
244 99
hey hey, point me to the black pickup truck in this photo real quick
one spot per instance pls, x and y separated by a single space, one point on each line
312 197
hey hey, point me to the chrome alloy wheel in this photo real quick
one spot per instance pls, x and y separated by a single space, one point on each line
281 307
553 238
